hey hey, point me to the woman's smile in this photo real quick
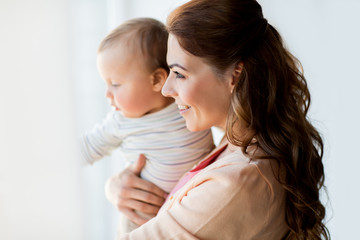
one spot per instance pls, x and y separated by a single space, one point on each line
202 97
184 108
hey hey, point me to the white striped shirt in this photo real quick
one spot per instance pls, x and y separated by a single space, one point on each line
170 148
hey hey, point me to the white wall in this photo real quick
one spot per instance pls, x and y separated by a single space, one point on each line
39 180
50 91
325 36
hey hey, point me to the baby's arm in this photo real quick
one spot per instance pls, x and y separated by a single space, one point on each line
101 140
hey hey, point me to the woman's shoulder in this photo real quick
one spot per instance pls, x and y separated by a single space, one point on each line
238 168
240 190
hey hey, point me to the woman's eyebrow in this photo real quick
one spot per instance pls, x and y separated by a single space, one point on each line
177 65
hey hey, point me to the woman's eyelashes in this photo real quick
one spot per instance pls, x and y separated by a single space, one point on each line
178 75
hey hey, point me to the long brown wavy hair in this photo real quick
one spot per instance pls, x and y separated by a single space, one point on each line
271 97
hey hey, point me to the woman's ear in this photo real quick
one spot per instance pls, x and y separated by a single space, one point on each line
158 79
236 75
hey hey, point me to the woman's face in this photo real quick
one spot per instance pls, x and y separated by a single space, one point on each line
203 99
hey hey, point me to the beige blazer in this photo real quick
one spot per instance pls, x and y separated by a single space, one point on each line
232 198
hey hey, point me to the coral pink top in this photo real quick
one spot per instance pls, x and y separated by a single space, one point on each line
233 197
212 158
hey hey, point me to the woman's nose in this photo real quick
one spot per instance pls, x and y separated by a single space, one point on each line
168 88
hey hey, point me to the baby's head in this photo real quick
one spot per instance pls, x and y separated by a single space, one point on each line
132 62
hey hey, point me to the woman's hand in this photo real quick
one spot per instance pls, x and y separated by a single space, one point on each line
128 192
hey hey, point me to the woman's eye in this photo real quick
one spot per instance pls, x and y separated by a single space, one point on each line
178 75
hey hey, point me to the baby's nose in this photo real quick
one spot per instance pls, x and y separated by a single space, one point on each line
108 94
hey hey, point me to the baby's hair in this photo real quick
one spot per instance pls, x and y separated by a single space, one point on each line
144 36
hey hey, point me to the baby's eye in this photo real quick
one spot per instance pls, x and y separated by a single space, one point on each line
115 85
178 75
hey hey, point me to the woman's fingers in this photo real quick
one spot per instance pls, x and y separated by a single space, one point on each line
139 206
138 165
132 195
130 178
142 196
148 187
133 216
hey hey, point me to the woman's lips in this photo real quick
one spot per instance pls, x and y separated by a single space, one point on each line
184 108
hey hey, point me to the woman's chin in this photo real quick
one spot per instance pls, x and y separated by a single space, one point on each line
194 127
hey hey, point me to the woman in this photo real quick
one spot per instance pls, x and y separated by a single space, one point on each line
230 69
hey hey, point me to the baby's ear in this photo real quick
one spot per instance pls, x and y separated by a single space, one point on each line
158 79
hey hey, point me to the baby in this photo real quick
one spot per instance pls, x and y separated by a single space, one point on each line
132 62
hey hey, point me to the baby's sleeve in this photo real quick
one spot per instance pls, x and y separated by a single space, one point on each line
101 140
